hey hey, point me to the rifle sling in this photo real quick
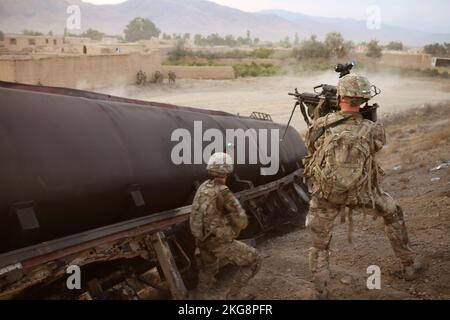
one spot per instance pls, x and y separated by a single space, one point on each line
322 130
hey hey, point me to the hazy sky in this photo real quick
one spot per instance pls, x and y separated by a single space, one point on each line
430 15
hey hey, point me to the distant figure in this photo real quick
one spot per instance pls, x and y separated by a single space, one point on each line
84 50
172 78
144 78
141 78
158 77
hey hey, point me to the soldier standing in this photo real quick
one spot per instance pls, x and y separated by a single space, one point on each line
342 172
172 77
216 220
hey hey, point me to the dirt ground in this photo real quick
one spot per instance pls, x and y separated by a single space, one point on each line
418 140
270 94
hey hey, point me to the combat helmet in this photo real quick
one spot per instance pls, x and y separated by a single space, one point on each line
355 86
220 164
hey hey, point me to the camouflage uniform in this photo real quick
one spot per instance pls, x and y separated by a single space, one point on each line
327 204
172 77
217 219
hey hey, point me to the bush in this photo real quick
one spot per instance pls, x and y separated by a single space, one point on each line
396 46
255 70
262 53
178 51
140 29
374 50
337 46
437 49
312 49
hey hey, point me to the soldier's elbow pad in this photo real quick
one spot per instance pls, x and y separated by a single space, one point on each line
243 220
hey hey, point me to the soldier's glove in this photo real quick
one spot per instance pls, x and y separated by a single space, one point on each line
240 220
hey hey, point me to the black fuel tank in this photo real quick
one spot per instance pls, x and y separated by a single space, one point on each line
70 163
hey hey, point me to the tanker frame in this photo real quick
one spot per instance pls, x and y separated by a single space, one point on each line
86 183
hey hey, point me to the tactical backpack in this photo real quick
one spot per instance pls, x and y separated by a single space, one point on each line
341 166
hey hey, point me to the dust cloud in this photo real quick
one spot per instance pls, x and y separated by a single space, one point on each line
270 94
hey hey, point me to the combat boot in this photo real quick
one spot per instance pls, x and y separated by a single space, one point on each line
319 265
412 272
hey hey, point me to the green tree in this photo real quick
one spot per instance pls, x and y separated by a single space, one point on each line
396 46
198 40
311 48
140 29
262 53
286 43
230 41
92 34
337 46
179 51
2 36
437 49
374 50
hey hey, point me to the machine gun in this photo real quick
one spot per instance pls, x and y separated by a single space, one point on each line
325 100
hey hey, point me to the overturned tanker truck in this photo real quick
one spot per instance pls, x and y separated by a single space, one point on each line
87 183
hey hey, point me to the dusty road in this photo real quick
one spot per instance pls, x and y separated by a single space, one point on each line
270 95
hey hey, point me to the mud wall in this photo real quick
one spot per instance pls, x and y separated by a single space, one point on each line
82 72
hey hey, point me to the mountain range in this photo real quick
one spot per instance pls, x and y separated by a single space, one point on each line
196 16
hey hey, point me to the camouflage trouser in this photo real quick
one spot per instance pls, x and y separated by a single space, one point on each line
238 253
320 222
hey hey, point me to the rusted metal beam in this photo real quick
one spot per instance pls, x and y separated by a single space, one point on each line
52 250
44 252
168 266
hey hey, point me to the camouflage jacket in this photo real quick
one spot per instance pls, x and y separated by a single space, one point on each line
216 212
334 124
